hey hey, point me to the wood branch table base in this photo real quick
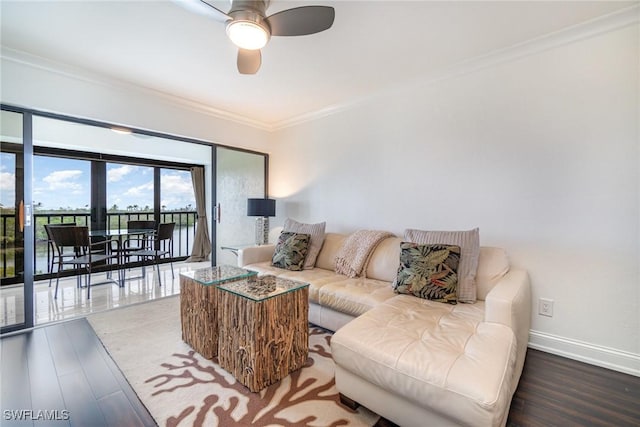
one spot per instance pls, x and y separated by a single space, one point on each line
198 305
263 331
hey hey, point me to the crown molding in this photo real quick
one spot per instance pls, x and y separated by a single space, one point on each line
582 31
610 22
81 74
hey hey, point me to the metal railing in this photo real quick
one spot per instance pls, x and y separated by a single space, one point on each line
183 236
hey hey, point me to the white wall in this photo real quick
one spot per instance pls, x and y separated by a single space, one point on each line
540 151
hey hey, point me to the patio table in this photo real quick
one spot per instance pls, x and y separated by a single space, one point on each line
117 235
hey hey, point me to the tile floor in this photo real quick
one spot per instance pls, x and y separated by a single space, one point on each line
72 301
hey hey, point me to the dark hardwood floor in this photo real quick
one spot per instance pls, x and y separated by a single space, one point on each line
63 374
64 367
555 391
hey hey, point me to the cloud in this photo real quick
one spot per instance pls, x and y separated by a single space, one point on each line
177 191
66 180
7 181
140 191
7 189
177 183
116 174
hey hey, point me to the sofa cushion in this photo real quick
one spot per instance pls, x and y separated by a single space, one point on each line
493 264
291 251
384 261
469 242
327 256
354 254
353 296
439 356
428 271
316 231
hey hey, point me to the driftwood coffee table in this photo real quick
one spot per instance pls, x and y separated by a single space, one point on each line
198 305
263 331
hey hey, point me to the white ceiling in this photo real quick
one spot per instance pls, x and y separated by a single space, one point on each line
372 46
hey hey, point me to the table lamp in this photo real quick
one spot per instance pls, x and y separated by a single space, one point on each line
262 209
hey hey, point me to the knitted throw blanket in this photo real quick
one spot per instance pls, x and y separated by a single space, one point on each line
352 257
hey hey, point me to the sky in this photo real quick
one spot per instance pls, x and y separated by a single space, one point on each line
66 183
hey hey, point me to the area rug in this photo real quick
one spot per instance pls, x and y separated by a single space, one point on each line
181 388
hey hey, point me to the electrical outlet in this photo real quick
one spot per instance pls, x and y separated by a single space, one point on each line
545 307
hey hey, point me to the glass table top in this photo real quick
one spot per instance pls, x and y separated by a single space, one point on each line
119 232
262 288
219 274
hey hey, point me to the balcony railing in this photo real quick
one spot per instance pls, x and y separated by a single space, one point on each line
183 236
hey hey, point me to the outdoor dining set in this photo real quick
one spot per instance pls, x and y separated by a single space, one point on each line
79 250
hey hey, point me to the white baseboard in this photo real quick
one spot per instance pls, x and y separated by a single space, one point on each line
609 358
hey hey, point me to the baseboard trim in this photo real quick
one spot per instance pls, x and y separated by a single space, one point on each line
617 360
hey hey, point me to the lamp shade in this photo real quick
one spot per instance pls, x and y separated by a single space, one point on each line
261 207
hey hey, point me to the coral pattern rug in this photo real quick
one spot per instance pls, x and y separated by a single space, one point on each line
181 388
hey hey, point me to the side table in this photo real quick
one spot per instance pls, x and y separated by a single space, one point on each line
198 305
263 331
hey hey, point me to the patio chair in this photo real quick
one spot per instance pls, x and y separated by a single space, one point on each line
137 242
53 250
87 252
162 248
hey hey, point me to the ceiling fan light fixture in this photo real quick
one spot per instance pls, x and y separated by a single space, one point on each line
247 34
121 130
250 29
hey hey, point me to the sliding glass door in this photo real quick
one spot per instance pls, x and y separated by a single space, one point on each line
239 175
59 169
16 270
96 177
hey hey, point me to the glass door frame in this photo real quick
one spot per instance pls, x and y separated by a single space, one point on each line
28 230
214 192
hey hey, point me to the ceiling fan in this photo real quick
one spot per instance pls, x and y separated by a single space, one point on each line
250 29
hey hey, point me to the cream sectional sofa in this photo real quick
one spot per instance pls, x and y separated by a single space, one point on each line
414 361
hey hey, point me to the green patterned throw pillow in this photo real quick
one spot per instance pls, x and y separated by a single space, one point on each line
428 271
291 250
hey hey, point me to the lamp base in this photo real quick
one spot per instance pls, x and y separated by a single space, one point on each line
262 230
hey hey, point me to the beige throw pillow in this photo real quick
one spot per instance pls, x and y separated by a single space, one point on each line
469 242
317 238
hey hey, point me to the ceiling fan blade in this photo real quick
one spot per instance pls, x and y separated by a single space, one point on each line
249 61
201 7
301 21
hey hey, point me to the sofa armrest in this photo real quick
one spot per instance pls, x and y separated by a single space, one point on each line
509 303
255 254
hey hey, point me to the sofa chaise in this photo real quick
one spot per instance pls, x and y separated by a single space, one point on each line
414 361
